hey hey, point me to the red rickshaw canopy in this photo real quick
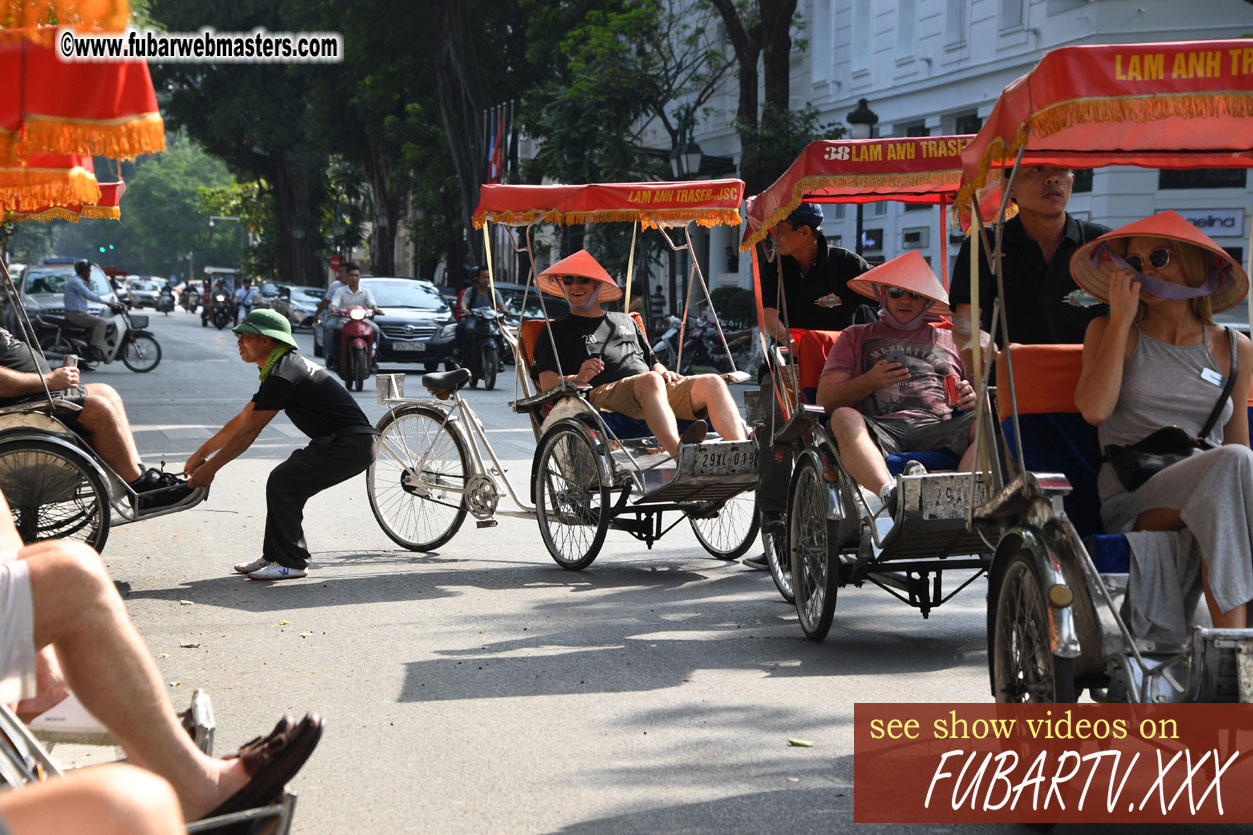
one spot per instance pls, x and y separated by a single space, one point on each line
47 180
1158 105
705 202
47 106
922 169
107 206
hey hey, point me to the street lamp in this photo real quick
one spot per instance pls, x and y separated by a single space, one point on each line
861 124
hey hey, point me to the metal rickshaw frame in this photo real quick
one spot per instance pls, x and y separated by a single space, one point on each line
581 460
1075 109
836 541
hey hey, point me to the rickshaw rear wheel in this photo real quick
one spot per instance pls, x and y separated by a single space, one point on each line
811 538
571 497
779 562
54 492
1024 668
729 533
418 510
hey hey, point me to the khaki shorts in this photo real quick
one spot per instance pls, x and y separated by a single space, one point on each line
17 631
619 397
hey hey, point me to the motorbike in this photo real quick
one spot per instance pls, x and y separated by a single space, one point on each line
703 348
486 347
126 338
165 301
190 300
356 348
220 310
667 348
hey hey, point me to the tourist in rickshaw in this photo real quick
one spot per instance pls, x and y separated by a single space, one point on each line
884 384
817 297
1042 304
1158 360
609 352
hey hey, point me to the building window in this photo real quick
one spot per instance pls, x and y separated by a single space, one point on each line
917 129
906 12
1083 181
838 214
955 23
1202 178
1011 14
878 209
859 51
967 123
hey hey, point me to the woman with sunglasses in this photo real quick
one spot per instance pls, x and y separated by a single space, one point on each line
887 384
1159 360
608 351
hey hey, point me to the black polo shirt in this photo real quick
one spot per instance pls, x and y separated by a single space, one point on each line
314 400
819 299
1043 304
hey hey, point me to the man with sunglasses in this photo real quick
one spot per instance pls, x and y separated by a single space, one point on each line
884 384
608 351
1043 303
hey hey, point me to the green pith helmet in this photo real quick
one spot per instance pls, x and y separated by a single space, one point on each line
267 323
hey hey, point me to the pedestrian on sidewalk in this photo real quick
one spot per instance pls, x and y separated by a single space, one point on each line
343 441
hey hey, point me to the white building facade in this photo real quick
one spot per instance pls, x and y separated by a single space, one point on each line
934 67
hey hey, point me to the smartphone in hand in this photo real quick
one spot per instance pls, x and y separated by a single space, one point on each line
897 356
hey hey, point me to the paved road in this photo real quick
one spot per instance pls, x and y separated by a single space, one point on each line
483 689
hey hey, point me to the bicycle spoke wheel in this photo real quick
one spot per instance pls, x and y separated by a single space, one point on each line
54 493
571 497
729 533
1024 668
416 484
811 536
141 354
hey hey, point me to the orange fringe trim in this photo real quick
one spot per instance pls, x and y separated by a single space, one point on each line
944 181
107 15
1236 104
24 189
648 218
47 215
124 138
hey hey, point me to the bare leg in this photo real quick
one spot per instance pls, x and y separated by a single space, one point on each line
116 447
107 665
650 393
107 800
711 395
861 457
109 393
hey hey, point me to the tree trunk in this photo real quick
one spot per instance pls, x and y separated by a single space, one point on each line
747 46
461 107
776 51
295 197
386 210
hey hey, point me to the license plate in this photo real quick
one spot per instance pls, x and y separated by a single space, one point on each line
725 459
409 346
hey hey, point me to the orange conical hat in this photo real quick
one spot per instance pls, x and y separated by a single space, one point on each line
1091 270
580 263
909 272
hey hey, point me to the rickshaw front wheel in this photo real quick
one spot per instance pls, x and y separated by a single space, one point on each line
571 497
811 540
731 531
779 562
54 492
1024 668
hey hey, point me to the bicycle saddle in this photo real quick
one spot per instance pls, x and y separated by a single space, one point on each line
446 381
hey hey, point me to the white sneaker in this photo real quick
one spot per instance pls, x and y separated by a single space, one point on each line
274 571
249 567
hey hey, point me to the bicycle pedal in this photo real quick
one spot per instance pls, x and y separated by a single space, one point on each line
485 523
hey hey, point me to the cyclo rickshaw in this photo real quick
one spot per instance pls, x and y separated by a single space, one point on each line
1060 615
592 471
834 535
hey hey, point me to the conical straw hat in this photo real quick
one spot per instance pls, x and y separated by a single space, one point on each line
580 263
909 272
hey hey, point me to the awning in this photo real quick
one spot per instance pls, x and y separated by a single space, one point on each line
705 202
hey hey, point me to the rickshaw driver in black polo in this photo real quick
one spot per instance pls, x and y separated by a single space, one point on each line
816 293
1043 304
343 441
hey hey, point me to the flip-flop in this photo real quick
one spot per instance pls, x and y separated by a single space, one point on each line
272 762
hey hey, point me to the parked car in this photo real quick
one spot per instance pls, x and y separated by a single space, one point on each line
298 303
416 326
143 292
513 296
42 289
270 292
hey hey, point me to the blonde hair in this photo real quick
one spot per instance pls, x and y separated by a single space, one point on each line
1195 265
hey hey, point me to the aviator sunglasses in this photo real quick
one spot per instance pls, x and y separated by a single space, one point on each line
1159 258
571 279
897 293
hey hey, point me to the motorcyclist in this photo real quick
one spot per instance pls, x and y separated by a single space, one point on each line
352 294
476 297
219 287
78 293
245 300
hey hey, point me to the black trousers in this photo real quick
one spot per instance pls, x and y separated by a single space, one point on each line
774 464
324 463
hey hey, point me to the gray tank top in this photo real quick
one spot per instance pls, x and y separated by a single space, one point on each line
1162 386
